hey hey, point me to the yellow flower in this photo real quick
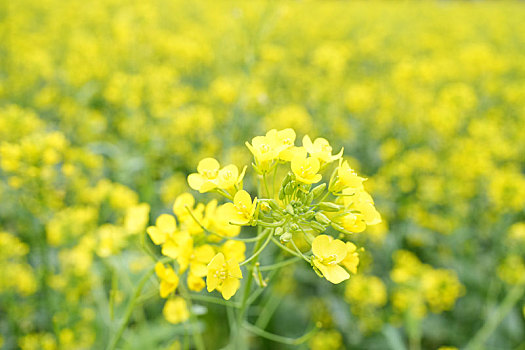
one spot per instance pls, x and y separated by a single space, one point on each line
241 211
352 258
229 177
181 202
352 222
164 226
234 250
362 202
305 169
177 244
176 310
197 259
328 253
321 149
195 283
266 149
348 177
168 279
137 218
224 275
216 221
206 177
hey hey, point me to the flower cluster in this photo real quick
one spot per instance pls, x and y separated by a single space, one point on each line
298 215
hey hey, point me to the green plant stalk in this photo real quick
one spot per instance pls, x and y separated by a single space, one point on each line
247 288
197 336
493 322
129 309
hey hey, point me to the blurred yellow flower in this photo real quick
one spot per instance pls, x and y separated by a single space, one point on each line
168 279
176 310
206 177
164 227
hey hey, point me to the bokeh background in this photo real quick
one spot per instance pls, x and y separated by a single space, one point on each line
107 105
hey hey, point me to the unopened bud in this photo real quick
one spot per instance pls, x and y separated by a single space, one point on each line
318 190
309 214
286 237
290 210
317 226
288 189
329 206
294 227
323 219
278 231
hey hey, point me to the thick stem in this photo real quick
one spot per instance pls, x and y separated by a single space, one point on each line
495 319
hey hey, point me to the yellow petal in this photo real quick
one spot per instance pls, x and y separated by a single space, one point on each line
198 269
156 235
159 270
166 223
196 181
195 283
321 246
212 282
217 262
230 287
204 253
208 165
170 249
333 273
234 270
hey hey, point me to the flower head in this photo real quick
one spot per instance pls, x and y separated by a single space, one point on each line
168 279
305 169
321 149
328 253
176 310
348 178
206 177
241 211
224 275
229 177
164 227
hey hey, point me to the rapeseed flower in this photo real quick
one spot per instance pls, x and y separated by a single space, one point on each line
328 254
223 275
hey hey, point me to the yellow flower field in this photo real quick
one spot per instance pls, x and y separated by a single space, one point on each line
262 175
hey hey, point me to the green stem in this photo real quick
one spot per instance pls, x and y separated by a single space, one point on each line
213 300
256 254
281 264
285 248
247 288
129 309
279 338
197 335
495 319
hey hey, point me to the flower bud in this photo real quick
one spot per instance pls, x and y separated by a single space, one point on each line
294 227
317 226
321 218
318 190
286 237
278 231
286 180
290 210
309 198
309 214
340 228
329 206
288 189
281 193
